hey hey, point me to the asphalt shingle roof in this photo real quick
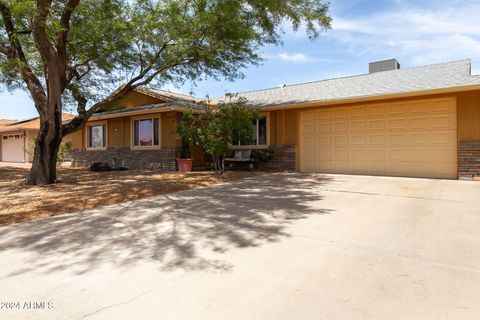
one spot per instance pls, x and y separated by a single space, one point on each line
168 95
430 77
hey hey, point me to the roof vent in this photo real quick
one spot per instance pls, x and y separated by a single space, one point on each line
384 65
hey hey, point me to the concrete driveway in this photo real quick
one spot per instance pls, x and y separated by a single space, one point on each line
279 246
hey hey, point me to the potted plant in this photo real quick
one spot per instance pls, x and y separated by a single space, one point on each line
185 161
185 131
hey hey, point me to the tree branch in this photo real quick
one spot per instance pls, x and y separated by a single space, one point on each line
62 37
16 53
39 31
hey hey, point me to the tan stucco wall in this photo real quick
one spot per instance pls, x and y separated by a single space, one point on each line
77 139
119 131
468 116
283 127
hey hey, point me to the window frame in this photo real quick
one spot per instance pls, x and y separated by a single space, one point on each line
132 131
87 133
257 146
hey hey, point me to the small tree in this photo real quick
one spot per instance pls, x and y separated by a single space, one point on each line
217 128
91 53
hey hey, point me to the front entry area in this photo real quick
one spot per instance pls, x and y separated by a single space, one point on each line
410 139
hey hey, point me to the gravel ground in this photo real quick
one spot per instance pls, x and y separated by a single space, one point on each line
79 189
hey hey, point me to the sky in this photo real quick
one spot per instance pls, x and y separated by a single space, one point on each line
414 32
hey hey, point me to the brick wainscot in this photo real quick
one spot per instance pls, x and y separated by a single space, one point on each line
157 159
469 161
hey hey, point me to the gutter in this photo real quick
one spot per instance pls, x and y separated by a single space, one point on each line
318 103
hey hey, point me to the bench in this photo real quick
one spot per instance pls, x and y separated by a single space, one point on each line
241 157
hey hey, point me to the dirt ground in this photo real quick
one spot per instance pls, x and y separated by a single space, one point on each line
79 189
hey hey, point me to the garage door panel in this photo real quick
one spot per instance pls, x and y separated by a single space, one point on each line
445 155
324 141
376 139
323 127
419 169
308 141
397 155
397 168
358 167
377 168
397 124
358 155
359 112
416 138
442 106
341 113
358 141
308 128
375 111
340 155
340 140
398 139
417 154
419 123
340 166
418 108
446 138
323 115
340 126
376 125
397 110
442 122
324 155
377 155
358 126
308 116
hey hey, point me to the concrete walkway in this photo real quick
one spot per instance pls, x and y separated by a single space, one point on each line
279 246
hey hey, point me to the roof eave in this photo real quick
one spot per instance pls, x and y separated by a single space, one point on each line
306 104
138 112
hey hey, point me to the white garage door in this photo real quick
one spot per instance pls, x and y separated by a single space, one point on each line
411 139
13 148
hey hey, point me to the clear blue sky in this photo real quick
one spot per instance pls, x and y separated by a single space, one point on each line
415 32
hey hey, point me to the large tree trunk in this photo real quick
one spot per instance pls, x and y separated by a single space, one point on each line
44 167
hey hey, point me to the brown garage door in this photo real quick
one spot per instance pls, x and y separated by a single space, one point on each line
411 139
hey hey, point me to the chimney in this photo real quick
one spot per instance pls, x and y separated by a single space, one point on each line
384 65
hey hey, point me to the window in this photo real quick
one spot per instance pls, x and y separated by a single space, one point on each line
96 136
259 133
146 132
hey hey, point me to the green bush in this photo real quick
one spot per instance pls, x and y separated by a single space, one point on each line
64 151
216 128
262 155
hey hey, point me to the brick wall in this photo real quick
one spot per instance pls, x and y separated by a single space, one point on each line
159 160
283 159
469 161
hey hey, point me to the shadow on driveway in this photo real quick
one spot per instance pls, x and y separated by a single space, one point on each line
186 230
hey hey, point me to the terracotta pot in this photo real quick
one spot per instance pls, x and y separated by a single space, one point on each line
184 165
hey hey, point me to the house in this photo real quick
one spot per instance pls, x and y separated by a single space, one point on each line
413 122
139 131
16 137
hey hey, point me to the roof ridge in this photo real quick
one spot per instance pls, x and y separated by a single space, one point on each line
351 76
